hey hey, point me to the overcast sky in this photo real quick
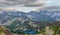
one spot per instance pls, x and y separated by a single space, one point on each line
27 5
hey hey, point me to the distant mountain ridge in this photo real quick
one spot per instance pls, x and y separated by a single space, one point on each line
37 16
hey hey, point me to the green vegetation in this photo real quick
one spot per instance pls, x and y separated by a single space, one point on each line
55 28
4 31
43 32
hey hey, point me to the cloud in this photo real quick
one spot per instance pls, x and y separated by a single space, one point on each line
22 3
25 5
29 3
50 4
34 4
7 9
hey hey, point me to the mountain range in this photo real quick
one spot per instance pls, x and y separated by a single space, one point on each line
43 15
32 21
